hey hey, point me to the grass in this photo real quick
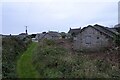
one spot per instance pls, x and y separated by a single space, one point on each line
52 61
25 68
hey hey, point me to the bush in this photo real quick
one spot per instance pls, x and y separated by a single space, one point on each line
56 62
12 47
117 40
49 42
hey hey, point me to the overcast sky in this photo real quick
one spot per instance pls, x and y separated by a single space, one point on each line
56 15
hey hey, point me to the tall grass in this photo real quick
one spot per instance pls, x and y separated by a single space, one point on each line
53 61
12 47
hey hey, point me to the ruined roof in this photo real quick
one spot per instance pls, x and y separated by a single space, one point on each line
41 35
105 30
113 30
50 33
54 34
76 31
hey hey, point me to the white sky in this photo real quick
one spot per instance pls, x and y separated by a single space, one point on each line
57 15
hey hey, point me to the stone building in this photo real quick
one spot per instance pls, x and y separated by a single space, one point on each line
49 35
92 38
74 32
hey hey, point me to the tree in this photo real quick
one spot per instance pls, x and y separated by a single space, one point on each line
63 34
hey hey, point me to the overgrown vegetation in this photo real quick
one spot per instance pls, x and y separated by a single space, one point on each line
117 40
63 34
12 48
53 61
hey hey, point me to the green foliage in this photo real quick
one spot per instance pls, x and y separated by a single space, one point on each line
12 47
63 34
49 58
52 73
27 40
102 66
117 40
56 62
49 42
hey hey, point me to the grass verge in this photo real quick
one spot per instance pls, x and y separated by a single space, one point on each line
25 68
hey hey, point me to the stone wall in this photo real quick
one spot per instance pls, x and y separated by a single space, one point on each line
91 39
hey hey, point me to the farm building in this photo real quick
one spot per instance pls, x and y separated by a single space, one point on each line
49 35
92 38
74 32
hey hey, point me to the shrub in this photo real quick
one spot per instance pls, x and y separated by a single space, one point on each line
103 66
56 62
117 40
49 42
12 47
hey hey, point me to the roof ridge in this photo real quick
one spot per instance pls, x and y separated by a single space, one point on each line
106 28
106 31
